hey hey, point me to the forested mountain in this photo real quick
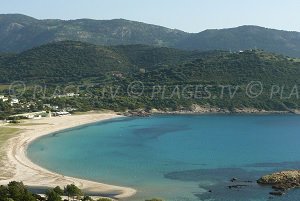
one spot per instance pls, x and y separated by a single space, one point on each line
243 38
20 32
73 61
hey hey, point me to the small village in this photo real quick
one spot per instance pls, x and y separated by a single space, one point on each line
45 110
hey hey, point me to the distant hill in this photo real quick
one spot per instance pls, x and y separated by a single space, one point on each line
20 32
243 38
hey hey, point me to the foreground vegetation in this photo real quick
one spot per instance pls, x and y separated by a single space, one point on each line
16 191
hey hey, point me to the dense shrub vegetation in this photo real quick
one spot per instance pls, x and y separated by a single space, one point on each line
102 75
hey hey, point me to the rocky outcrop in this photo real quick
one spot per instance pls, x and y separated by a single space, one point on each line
194 109
281 181
137 113
207 109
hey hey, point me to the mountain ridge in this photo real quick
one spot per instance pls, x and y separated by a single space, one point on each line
20 32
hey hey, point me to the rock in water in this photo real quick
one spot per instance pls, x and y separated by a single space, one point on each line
233 179
282 181
277 193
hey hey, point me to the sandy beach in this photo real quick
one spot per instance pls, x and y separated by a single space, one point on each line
17 167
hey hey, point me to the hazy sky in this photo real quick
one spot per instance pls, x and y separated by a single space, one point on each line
187 15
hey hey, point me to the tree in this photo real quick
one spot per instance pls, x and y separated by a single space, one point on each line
18 192
72 191
39 198
58 190
3 193
53 196
87 198
28 197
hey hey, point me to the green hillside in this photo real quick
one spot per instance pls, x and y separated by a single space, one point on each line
106 70
62 62
72 61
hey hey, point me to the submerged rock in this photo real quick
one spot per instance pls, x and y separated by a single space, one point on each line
237 186
233 179
277 193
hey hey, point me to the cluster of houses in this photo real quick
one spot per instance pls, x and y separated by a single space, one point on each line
56 109
48 109
36 115
40 114
67 95
31 115
13 101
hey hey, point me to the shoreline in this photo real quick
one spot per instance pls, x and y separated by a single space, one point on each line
221 113
200 109
18 167
208 111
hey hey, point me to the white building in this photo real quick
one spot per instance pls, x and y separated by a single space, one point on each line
62 113
14 101
71 94
66 95
3 98
31 115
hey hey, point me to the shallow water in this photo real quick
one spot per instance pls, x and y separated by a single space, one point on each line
178 157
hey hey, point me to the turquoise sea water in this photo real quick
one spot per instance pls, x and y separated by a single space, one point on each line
178 158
